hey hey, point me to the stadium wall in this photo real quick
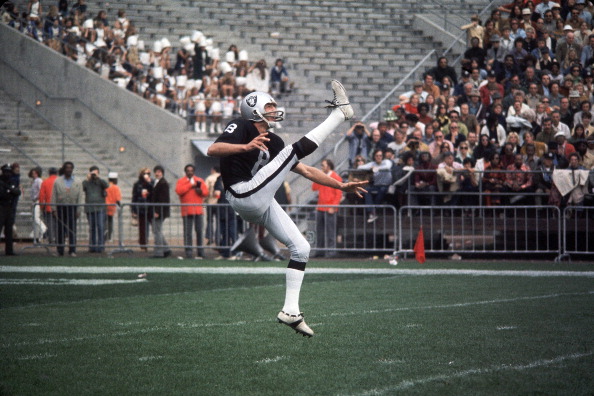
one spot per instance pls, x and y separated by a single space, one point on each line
75 98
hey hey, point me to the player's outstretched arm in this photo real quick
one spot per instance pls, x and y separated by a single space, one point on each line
317 176
222 149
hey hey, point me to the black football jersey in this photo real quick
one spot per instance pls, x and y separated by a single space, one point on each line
243 166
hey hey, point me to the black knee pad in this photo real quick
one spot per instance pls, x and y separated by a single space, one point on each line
304 147
296 265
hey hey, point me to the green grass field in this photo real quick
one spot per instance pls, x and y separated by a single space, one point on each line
198 332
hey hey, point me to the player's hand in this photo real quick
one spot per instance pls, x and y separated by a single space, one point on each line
259 143
355 187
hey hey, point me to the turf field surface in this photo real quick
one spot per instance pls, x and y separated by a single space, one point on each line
92 325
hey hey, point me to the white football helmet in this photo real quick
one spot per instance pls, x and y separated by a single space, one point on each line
252 108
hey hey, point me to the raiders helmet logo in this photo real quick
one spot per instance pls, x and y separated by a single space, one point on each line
252 100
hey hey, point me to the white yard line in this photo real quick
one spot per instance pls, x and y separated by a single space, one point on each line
281 270
407 384
71 282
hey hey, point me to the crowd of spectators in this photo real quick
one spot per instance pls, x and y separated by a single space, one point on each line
191 79
518 108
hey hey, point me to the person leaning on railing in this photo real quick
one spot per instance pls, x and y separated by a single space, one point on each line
493 180
382 178
518 179
425 181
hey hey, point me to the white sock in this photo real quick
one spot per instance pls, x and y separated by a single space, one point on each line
294 278
322 131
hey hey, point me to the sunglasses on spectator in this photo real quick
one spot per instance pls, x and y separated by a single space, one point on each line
463 148
438 136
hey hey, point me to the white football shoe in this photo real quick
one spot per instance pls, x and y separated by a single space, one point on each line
341 100
295 322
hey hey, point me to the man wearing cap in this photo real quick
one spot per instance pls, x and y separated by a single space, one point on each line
506 43
490 88
418 90
564 148
526 19
8 193
495 53
113 199
475 107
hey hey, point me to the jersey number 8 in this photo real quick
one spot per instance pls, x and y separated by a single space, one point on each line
230 128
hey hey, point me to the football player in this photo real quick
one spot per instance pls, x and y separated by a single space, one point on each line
254 163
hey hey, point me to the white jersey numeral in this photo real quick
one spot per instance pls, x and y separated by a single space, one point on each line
263 158
230 128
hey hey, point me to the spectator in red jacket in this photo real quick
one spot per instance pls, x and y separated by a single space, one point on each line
45 199
191 191
326 216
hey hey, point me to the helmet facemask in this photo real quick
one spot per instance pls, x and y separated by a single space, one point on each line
276 115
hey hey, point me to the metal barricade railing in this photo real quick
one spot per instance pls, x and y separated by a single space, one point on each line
475 229
517 230
354 232
578 231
